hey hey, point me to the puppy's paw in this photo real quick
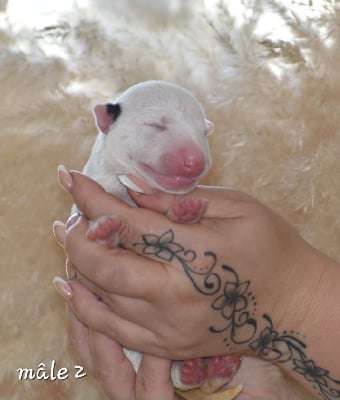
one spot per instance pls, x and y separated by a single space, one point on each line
105 230
187 211
189 374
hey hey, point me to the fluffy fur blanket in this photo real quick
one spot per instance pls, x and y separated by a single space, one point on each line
267 73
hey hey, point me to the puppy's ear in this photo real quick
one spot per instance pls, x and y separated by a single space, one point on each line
106 115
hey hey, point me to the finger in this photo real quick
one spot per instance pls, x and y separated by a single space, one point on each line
150 235
59 228
91 198
137 184
93 201
165 256
222 202
113 270
145 233
79 341
154 379
112 369
98 317
128 308
59 232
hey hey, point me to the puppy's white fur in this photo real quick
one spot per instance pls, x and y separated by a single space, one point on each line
155 119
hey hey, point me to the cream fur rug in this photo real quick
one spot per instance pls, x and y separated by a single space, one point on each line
267 73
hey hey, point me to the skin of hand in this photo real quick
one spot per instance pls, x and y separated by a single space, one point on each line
104 358
150 295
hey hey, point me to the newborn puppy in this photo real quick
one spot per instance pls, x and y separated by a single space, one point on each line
156 131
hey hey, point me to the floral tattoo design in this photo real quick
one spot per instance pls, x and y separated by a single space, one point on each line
236 304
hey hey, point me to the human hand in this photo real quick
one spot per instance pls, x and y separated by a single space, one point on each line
232 267
105 359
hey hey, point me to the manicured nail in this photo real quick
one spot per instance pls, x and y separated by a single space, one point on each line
140 187
126 181
74 218
59 232
62 287
64 178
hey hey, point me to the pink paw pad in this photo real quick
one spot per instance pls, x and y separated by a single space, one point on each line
193 372
105 230
188 211
224 367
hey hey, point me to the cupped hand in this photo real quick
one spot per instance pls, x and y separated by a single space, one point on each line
183 291
104 358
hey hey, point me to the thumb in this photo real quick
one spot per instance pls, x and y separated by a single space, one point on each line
222 202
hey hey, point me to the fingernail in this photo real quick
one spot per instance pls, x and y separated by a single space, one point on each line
59 232
62 287
126 181
74 218
64 178
145 188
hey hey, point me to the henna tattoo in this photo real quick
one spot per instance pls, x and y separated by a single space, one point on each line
233 305
237 306
164 247
287 348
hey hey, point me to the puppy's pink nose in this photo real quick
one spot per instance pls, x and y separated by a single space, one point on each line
194 163
191 160
188 161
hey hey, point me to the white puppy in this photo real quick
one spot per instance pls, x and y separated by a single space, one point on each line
158 132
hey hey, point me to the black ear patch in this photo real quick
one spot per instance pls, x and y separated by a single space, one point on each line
113 110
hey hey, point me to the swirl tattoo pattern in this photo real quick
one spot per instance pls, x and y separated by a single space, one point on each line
236 304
